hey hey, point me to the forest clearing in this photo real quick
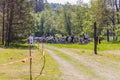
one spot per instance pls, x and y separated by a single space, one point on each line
60 40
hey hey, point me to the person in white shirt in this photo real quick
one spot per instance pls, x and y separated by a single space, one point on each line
31 40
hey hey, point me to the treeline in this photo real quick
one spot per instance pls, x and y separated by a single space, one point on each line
107 15
63 19
79 19
20 18
16 20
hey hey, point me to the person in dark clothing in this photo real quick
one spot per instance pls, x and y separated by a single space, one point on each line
72 39
67 39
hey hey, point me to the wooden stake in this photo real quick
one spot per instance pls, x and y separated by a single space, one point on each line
30 63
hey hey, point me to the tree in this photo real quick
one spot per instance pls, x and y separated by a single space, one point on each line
108 20
3 20
46 22
67 19
16 18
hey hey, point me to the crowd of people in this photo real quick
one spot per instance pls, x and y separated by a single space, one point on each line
64 39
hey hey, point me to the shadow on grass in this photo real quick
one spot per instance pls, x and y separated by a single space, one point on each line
19 46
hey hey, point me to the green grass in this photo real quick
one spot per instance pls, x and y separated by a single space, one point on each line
20 70
101 47
106 60
7 55
86 46
109 46
103 60
102 56
51 71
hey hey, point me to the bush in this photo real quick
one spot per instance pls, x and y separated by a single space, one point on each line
22 46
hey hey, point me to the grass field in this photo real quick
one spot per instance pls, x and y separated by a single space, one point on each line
13 68
105 64
103 46
20 70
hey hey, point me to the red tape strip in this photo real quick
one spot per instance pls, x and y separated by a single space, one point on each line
22 60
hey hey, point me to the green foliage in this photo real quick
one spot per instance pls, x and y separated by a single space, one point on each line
22 46
16 20
45 24
63 19
24 19
67 20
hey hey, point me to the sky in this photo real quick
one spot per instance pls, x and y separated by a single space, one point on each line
65 1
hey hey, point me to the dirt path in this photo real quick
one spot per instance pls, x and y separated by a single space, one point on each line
100 69
97 67
69 72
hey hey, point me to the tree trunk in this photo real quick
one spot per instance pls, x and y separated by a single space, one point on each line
113 22
114 33
108 38
10 22
95 39
6 24
10 6
42 26
3 27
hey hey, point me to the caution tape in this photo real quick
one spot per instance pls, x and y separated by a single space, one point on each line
22 60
